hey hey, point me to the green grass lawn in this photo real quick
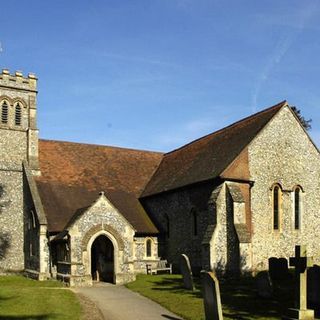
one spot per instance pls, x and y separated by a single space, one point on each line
238 297
22 298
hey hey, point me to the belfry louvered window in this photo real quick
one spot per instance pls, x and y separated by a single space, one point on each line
17 118
4 113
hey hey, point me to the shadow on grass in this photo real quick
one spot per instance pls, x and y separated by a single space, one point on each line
239 297
3 298
176 285
25 317
241 301
169 317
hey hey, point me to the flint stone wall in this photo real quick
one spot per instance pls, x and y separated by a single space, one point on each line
101 218
177 206
11 221
282 153
140 252
16 144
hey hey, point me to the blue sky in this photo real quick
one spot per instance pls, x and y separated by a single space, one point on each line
157 74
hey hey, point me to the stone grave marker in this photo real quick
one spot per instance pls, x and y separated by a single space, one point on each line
278 268
264 285
313 289
186 272
54 272
211 296
301 262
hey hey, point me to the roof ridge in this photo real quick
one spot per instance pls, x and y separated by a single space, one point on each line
278 105
101 146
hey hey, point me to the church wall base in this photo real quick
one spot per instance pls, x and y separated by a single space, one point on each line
79 281
36 275
299 314
122 278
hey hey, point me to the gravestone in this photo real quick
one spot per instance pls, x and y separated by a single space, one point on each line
264 285
278 268
186 272
54 272
313 289
301 262
211 296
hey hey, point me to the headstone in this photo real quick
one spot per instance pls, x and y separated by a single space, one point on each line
278 268
264 285
301 262
186 272
211 296
313 289
54 272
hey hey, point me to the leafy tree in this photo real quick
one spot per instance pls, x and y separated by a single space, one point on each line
305 123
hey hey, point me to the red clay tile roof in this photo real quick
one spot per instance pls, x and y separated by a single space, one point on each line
207 157
73 174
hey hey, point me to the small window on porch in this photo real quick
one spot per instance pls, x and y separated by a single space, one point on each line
63 252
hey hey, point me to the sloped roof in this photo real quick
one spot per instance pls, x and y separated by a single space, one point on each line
73 174
207 157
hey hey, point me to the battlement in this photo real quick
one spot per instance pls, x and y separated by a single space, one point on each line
18 81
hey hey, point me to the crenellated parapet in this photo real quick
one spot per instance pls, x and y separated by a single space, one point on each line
18 81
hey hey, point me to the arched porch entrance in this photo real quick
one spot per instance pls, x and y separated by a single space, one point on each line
102 259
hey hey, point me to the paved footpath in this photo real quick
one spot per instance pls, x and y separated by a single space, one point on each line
119 303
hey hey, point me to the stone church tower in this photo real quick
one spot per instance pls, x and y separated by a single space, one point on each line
18 149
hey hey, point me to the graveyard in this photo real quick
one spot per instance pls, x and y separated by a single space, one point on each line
287 290
238 296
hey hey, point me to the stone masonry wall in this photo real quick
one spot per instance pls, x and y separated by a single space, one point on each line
13 149
282 153
101 218
16 145
140 252
178 206
11 221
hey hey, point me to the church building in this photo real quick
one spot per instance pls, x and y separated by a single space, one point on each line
84 213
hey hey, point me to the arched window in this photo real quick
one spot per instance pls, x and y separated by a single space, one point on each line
297 208
149 248
194 217
32 219
276 206
4 113
17 118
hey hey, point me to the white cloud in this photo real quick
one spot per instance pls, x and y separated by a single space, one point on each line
280 50
297 22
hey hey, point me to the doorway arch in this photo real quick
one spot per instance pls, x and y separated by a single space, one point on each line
102 259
